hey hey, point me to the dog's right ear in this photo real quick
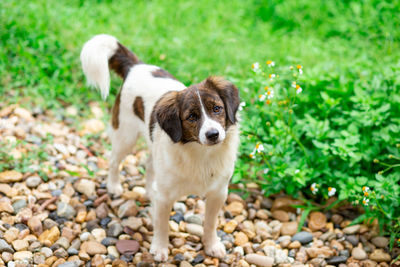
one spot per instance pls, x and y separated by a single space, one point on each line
167 115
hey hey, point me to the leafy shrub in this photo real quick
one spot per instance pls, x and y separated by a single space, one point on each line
322 136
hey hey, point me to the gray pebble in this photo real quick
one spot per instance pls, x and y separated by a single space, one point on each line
303 237
114 230
18 205
180 207
5 247
33 181
194 219
65 210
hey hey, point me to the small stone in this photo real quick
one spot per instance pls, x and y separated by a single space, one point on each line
114 230
198 259
178 242
280 215
23 114
380 256
328 236
127 246
99 234
47 252
185 264
337 219
289 228
133 223
380 241
336 260
20 245
35 225
97 260
50 236
112 250
5 247
230 226
351 230
241 239
61 253
259 260
6 256
86 187
194 219
359 254
177 217
195 229
317 221
63 242
10 176
33 181
92 126
101 211
84 236
129 208
235 208
303 237
263 214
6 207
11 234
19 205
180 207
92 248
324 252
108 241
22 255
353 239
295 245
72 251
65 210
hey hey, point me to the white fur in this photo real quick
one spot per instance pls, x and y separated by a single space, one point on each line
209 124
173 169
94 58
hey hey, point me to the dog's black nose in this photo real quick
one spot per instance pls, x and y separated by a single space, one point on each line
212 135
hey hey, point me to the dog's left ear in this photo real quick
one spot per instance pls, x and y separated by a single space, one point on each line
228 93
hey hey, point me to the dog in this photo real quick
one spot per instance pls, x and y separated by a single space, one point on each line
191 132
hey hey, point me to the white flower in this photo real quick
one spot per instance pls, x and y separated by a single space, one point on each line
299 90
241 105
314 188
259 148
270 94
255 67
296 171
331 191
300 71
261 97
365 201
365 189
266 170
294 84
272 75
270 63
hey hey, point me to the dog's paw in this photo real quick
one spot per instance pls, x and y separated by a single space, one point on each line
115 189
160 253
216 250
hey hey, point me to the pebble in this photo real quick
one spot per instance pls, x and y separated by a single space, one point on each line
114 230
359 254
259 260
230 226
133 223
194 219
289 228
380 241
19 205
303 237
86 187
5 247
380 256
112 250
317 221
337 260
93 248
20 245
50 236
129 208
127 246
10 176
33 181
65 210
22 255
280 215
241 239
351 230
194 229
180 207
235 208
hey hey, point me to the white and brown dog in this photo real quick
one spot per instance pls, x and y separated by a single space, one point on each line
191 132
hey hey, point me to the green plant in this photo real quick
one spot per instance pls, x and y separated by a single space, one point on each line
323 141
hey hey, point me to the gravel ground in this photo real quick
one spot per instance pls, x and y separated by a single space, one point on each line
70 220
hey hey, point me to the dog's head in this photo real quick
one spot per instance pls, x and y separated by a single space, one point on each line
201 113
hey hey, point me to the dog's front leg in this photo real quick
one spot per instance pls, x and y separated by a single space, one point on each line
214 202
161 209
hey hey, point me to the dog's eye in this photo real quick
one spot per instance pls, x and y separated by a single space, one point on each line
217 109
192 117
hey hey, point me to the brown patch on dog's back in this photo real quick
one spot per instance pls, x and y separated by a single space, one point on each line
115 112
122 61
138 107
160 73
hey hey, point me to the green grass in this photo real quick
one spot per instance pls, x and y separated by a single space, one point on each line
41 40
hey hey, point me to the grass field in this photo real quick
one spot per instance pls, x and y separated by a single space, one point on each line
41 40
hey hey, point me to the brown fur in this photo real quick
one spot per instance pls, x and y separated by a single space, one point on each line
115 112
160 73
122 61
138 107
173 110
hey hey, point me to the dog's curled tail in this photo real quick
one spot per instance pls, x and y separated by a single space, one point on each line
100 53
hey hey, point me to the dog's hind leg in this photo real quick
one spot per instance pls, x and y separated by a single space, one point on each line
121 145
